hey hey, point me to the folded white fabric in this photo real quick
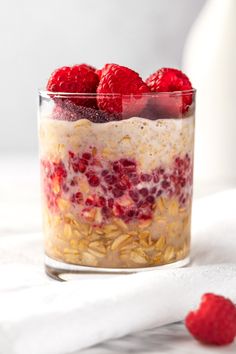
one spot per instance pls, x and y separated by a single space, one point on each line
59 318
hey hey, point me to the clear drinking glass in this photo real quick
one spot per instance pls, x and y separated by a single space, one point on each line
116 188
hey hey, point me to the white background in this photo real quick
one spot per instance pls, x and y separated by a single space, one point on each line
38 36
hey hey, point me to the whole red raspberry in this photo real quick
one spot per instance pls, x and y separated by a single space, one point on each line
75 79
214 322
125 90
171 80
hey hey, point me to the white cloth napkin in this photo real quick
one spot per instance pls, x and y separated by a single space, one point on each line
38 316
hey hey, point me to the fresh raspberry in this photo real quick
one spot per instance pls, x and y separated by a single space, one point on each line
214 322
119 80
171 80
75 79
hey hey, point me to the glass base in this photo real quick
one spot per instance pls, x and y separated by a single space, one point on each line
64 272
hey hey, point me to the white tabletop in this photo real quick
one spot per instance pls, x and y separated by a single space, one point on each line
20 215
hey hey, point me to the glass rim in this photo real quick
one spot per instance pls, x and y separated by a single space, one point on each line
45 93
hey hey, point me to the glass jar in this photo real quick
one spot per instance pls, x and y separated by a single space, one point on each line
116 187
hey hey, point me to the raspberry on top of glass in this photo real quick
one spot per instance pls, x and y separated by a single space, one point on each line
116 161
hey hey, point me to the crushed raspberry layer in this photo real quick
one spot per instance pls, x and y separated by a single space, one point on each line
119 188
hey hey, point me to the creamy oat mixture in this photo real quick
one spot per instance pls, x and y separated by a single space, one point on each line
152 143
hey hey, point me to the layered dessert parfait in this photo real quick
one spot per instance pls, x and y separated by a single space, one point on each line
116 166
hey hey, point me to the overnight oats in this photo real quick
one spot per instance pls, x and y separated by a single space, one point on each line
116 168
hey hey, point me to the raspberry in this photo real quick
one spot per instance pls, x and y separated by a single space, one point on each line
121 81
214 322
170 80
75 79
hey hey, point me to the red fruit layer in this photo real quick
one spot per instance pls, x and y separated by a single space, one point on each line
54 182
121 93
118 187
